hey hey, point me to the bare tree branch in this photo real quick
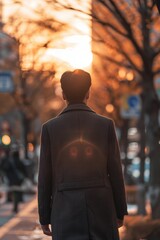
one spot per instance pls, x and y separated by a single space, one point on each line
126 55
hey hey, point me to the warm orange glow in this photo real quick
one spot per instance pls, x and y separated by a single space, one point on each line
56 104
147 150
58 90
77 55
109 108
130 76
122 73
6 140
70 48
30 147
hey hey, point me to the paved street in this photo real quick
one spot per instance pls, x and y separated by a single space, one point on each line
24 225
6 207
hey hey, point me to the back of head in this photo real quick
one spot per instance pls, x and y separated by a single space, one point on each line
75 84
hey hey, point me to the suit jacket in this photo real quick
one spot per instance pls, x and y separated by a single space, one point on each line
80 182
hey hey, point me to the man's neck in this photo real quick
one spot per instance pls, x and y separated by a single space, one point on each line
83 102
68 104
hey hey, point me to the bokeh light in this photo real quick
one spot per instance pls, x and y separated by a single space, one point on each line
6 140
130 76
122 73
109 108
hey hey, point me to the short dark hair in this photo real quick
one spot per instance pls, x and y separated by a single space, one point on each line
75 84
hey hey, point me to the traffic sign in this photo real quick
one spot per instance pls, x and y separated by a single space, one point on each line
131 106
6 82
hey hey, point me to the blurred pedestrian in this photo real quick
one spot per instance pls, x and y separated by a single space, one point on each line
80 184
4 166
19 176
15 172
2 159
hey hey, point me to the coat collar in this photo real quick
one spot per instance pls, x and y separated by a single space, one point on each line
77 107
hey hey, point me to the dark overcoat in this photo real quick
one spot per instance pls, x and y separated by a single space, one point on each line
80 182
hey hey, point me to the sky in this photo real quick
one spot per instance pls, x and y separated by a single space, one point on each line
73 49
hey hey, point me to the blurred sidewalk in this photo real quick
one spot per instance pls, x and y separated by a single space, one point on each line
24 225
6 208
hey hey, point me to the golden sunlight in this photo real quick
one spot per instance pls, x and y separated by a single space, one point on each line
77 55
71 48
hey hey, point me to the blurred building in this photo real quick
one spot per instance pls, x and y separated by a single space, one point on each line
9 80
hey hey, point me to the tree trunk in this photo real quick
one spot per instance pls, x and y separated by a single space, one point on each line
151 107
124 147
141 198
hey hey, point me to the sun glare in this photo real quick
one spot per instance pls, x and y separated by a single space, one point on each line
77 55
71 48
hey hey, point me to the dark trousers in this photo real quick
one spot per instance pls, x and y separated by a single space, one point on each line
17 198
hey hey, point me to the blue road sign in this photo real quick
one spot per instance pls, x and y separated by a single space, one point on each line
131 106
6 82
133 101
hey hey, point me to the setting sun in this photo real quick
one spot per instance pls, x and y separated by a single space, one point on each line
78 55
